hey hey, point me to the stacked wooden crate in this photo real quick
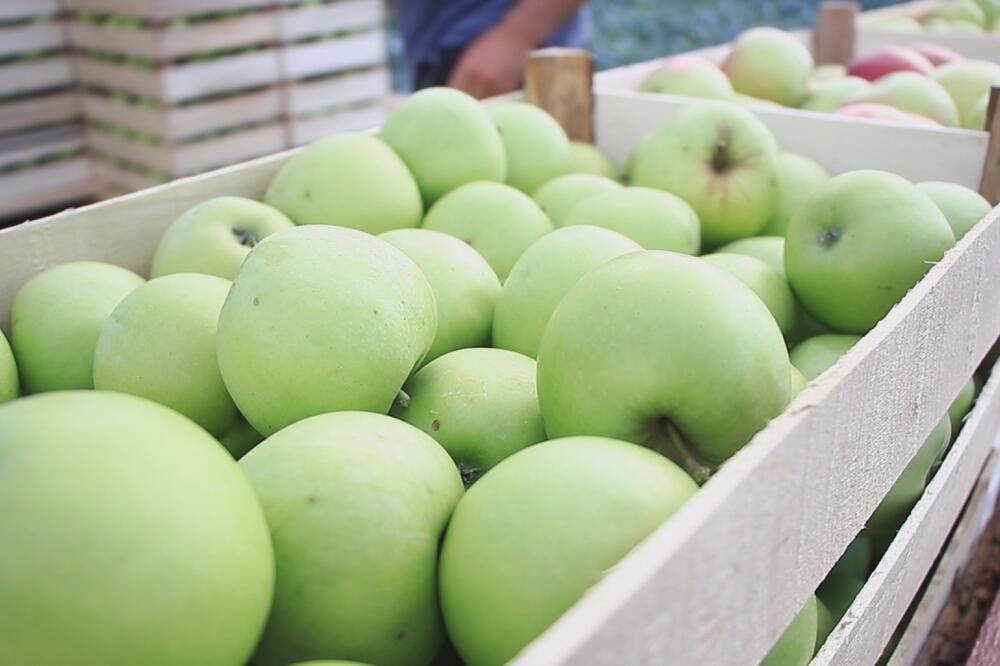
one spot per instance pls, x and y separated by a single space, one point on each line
172 88
41 136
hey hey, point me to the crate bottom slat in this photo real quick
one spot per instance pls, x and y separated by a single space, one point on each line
47 185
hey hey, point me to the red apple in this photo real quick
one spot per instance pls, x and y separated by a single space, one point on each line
878 63
884 112
938 55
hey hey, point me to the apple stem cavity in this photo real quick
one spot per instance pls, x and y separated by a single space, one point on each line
664 437
829 237
720 158
245 237
403 399
470 473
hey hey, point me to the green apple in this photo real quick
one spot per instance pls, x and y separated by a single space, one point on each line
348 180
967 81
215 237
356 503
689 76
959 10
944 25
859 244
329 662
560 195
799 381
769 249
748 100
769 285
633 158
135 538
826 72
962 207
897 504
322 319
914 93
770 64
722 160
587 158
991 11
56 318
798 178
977 116
240 438
536 146
465 287
904 24
543 275
797 644
638 349
498 221
831 94
481 405
654 219
547 524
838 593
824 624
159 344
818 354
10 385
961 406
447 139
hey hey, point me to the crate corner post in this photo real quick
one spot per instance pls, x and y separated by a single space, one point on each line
833 41
560 81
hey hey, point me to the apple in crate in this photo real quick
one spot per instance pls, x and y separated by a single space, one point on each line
481 405
797 643
769 249
885 112
654 219
817 354
56 318
769 285
465 287
498 221
855 249
539 530
962 207
348 180
215 237
560 195
447 139
689 76
881 62
536 146
136 539
159 344
829 95
10 385
770 64
722 160
967 82
587 158
356 503
666 316
915 93
322 319
938 55
798 178
543 275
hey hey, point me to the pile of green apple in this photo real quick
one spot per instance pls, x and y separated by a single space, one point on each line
464 370
924 85
974 17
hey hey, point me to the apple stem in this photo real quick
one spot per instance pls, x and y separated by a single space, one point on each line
665 438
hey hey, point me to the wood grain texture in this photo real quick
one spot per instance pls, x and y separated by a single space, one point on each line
834 36
989 187
987 650
975 518
760 536
560 81
869 624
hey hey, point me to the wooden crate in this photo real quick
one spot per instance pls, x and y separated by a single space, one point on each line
20 10
870 35
45 186
718 582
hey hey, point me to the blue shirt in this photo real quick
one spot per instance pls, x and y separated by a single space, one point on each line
433 28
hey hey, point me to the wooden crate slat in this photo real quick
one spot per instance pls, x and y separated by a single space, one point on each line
44 185
318 94
43 74
331 55
975 518
980 47
115 180
33 145
163 9
299 23
111 76
182 122
40 110
238 72
916 9
310 129
33 37
958 154
187 159
872 619
13 10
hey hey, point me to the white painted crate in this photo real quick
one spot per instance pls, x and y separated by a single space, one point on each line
19 10
869 34
760 536
45 186
42 75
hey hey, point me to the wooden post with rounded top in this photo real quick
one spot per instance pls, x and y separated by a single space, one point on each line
833 41
560 81
990 187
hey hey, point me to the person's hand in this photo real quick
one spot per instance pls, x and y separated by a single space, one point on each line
493 64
